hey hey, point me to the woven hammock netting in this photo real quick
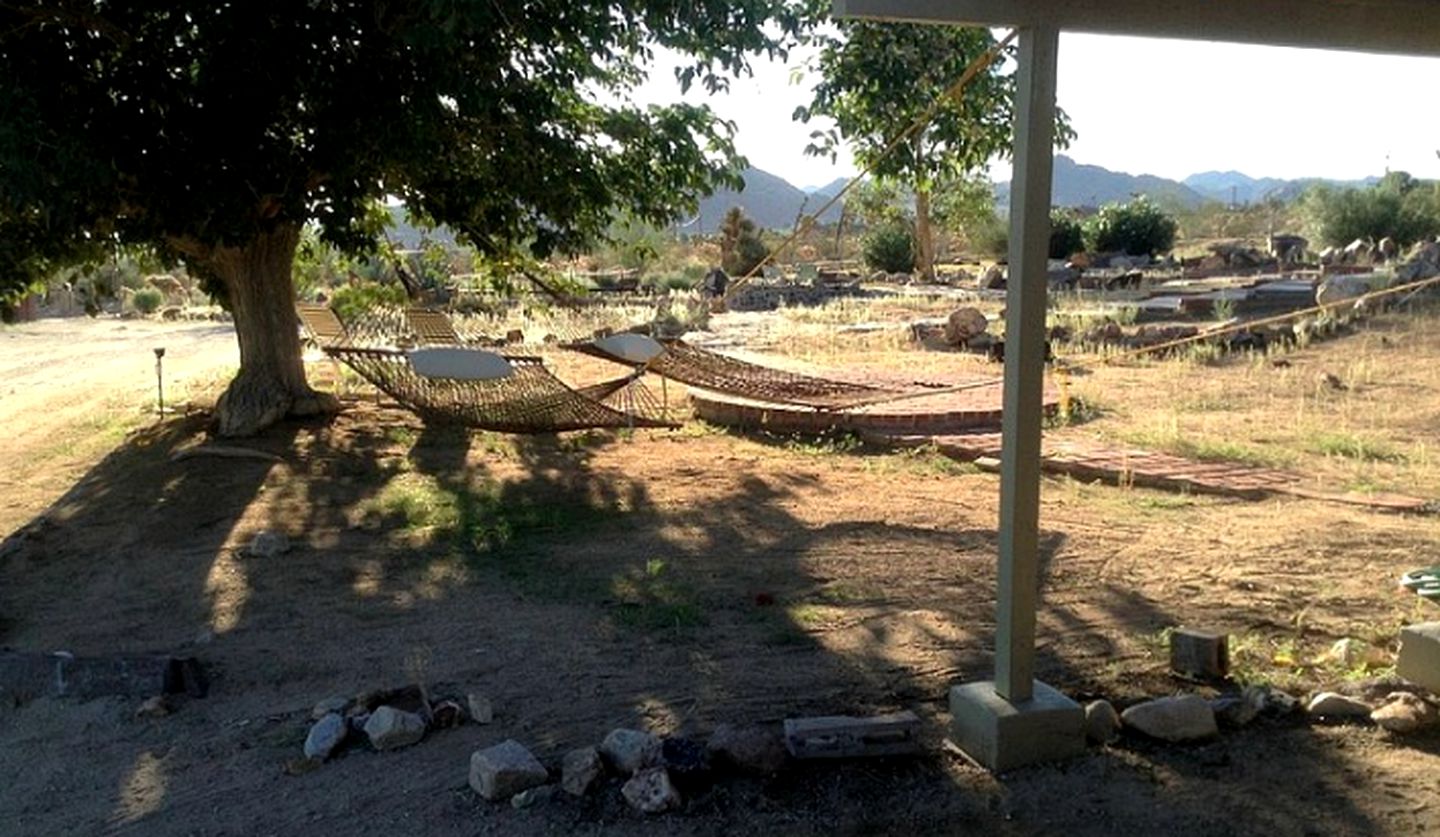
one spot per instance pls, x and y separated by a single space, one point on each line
532 400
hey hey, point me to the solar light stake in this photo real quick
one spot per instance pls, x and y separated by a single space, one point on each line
160 380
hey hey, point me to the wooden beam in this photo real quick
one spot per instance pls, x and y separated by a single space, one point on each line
1023 408
1408 27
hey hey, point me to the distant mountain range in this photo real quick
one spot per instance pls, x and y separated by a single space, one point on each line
775 203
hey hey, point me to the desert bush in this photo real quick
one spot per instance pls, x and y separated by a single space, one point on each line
351 301
1399 207
1137 228
1067 236
148 300
890 248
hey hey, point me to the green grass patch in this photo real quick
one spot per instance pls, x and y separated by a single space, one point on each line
651 599
1353 446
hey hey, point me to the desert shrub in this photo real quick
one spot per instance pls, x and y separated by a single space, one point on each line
1399 207
1067 237
148 300
1137 228
890 248
351 301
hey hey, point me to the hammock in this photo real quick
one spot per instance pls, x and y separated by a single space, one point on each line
529 400
697 367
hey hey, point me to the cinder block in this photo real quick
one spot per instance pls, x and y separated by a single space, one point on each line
1001 735
1200 653
845 737
1419 660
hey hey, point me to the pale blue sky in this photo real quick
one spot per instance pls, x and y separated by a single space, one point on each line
1170 108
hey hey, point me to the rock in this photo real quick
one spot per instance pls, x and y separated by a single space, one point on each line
878 277
357 721
268 544
532 796
628 750
1340 288
650 792
1239 710
581 771
389 728
1387 248
501 771
993 278
1405 712
1183 718
1102 722
1332 705
1349 652
687 762
1419 657
327 706
446 714
482 711
963 325
515 336
325 735
155 707
1280 703
748 749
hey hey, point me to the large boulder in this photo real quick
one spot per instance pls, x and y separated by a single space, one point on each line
1405 712
628 750
651 792
325 735
1183 718
389 728
501 771
993 279
964 325
748 749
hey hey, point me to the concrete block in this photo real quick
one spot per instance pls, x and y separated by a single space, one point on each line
1001 735
1200 653
1419 659
845 737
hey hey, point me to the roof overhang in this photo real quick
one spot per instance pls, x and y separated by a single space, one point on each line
1408 27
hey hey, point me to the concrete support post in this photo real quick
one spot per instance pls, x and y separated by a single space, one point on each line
1025 362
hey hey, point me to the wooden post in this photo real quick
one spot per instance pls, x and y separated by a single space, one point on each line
1025 362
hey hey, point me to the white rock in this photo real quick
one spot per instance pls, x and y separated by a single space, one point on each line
629 750
1333 705
268 544
482 711
1405 712
501 771
581 770
1183 718
650 791
325 735
389 728
1102 722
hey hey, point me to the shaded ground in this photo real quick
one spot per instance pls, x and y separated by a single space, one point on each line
603 580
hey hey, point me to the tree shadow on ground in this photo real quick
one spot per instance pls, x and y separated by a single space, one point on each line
580 590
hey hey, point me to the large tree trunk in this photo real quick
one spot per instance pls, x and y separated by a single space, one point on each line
924 237
271 384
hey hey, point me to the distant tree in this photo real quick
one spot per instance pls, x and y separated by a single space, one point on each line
740 246
216 131
1398 207
877 78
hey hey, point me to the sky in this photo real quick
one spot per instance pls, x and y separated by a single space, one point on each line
1163 107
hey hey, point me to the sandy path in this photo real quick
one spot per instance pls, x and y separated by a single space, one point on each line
65 380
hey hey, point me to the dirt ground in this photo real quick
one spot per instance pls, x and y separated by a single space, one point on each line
670 580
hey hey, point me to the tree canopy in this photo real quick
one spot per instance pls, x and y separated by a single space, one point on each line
878 78
193 124
214 131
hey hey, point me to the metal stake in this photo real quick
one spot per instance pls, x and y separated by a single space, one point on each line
160 380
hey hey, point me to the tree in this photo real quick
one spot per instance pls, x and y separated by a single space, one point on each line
740 246
1137 228
215 131
1398 207
878 78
